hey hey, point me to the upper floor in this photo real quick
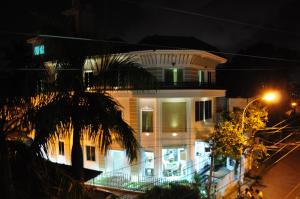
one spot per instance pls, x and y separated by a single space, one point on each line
173 69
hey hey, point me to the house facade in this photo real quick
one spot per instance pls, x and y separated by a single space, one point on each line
172 123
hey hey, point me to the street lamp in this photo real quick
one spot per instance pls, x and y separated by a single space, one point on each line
270 96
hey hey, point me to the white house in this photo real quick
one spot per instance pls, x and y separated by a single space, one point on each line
172 122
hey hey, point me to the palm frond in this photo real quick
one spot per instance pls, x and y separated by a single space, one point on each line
120 71
46 119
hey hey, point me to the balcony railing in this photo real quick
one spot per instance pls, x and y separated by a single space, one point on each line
123 180
162 85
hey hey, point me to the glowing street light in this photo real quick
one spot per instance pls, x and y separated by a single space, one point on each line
294 104
271 96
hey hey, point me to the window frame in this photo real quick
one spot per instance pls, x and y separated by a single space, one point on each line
144 130
90 153
203 110
61 148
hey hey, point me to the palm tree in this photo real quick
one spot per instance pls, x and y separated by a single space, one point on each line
93 109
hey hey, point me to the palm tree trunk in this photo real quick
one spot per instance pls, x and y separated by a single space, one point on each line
77 155
7 183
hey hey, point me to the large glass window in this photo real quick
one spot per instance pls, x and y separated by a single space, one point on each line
117 161
174 161
149 163
61 148
173 117
90 153
173 75
203 110
147 121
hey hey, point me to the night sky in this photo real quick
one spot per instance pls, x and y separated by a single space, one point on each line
264 28
133 20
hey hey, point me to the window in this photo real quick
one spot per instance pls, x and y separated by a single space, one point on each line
90 153
61 148
174 161
173 75
88 78
149 163
209 77
208 109
201 76
199 114
203 110
173 117
39 50
147 121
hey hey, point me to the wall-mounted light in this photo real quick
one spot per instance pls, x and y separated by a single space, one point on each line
174 134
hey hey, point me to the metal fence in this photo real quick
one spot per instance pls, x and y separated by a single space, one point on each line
126 181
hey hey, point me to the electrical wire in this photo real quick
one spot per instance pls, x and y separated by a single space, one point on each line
210 17
147 45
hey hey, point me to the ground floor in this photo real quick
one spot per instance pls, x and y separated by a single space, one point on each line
156 165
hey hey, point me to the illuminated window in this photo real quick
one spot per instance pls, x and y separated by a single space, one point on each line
201 76
173 117
174 161
90 153
173 75
149 163
88 78
61 148
147 121
203 110
39 50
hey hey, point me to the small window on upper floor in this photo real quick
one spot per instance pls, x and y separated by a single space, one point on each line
147 121
209 74
201 76
173 75
90 153
61 148
203 110
39 50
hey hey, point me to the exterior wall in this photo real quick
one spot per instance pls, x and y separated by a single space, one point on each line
156 141
238 103
133 102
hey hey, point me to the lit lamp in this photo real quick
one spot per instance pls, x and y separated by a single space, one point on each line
271 96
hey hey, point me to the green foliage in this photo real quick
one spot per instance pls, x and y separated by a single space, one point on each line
174 191
230 140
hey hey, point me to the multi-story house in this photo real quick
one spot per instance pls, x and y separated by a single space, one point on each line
172 122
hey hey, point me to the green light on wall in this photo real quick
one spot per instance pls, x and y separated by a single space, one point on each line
39 50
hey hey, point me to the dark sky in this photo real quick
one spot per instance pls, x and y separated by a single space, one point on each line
133 21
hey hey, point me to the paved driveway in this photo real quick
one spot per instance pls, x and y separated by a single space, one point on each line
282 181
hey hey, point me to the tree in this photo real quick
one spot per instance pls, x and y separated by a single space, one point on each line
233 139
229 139
93 109
24 171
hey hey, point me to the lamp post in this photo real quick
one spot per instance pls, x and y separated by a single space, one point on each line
268 97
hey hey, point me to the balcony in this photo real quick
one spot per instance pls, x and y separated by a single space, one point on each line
163 86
